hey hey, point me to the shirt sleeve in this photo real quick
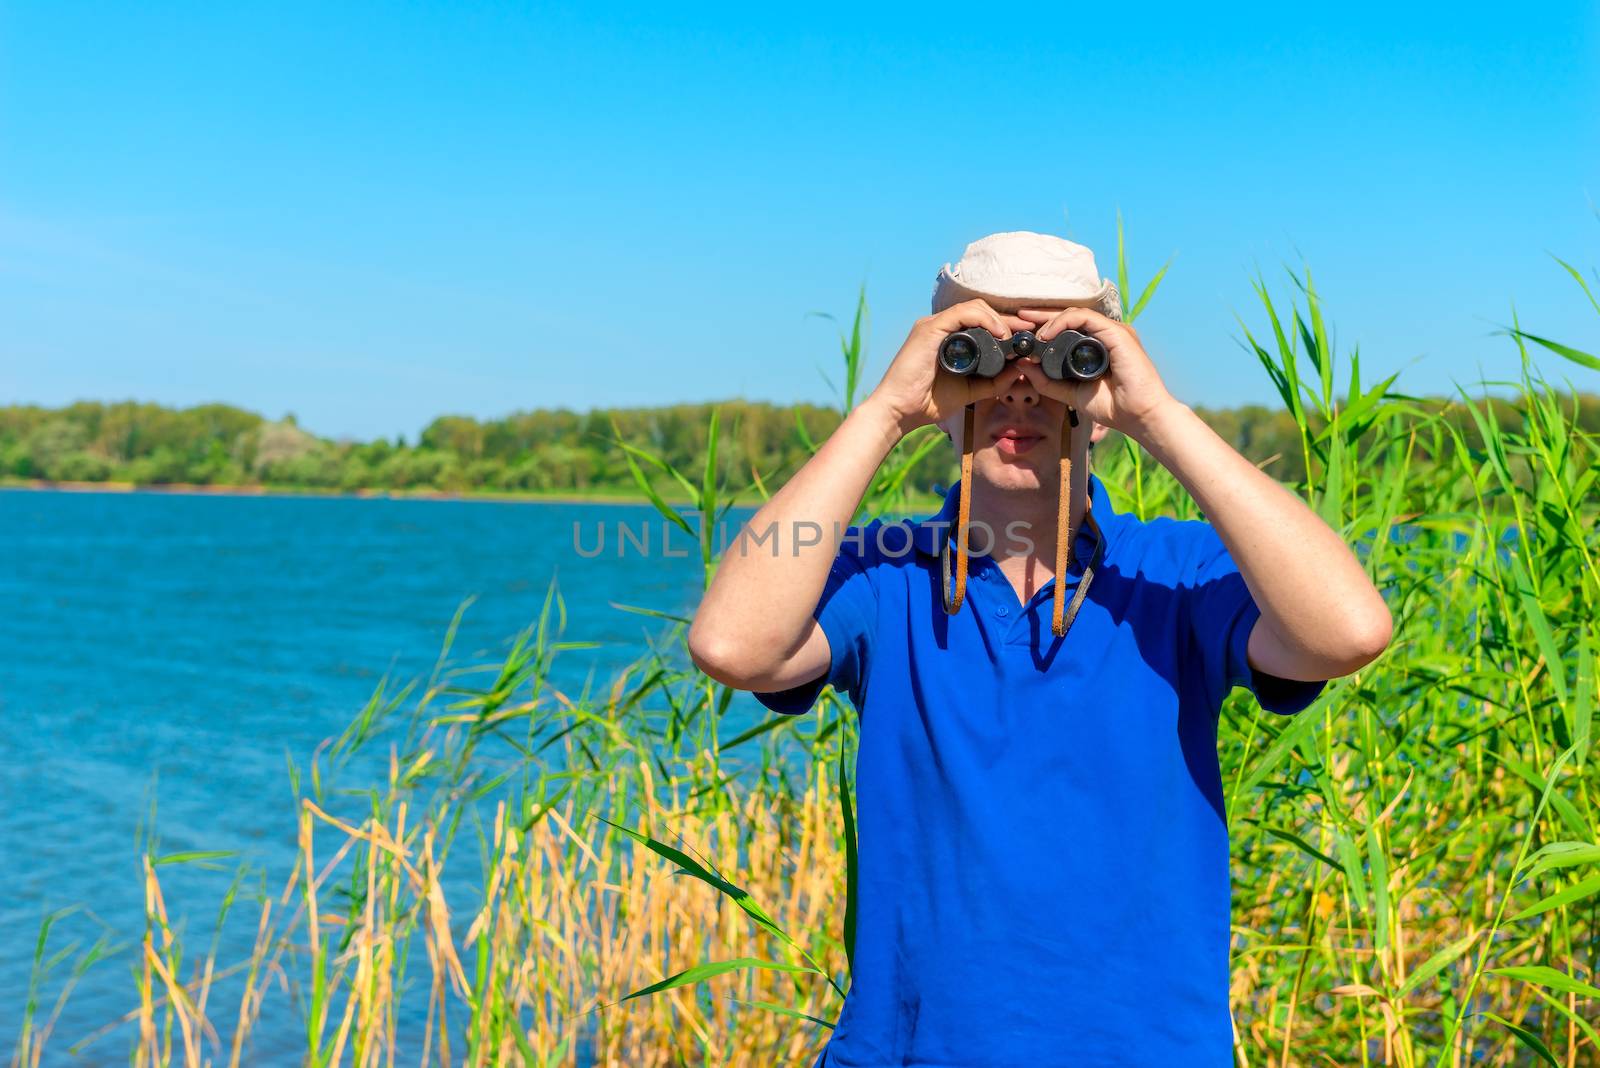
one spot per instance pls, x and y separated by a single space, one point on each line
1221 614
847 611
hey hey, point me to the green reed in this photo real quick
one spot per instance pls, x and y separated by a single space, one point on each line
1416 856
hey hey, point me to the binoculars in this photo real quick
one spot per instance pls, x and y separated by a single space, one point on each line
975 351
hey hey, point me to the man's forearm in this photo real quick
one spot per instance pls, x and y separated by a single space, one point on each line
768 582
1314 594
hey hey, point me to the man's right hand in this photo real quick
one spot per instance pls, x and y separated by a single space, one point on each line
916 391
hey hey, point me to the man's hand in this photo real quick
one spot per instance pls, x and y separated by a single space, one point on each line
1125 396
916 391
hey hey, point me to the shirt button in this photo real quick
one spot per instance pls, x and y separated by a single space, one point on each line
1004 611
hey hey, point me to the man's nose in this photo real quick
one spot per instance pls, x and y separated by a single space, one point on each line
1019 390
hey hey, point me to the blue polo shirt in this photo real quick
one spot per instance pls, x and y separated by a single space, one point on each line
1043 851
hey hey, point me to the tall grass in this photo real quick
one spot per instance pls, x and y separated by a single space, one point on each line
1416 857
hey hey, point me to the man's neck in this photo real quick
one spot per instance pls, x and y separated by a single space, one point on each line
1023 524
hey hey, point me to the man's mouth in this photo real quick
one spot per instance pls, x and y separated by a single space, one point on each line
1014 441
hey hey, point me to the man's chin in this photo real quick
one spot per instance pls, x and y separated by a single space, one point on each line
1016 473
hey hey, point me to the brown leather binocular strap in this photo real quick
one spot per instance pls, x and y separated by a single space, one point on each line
1072 503
1071 509
964 513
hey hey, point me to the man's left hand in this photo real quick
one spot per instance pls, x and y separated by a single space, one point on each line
1123 398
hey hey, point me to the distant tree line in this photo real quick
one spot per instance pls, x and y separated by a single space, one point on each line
543 451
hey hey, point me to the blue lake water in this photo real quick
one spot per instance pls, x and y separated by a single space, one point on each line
189 644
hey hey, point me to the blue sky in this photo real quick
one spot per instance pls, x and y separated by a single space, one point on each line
370 215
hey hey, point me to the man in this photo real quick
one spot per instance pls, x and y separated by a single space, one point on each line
1043 873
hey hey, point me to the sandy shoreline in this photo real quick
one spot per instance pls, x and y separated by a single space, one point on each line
203 490
200 489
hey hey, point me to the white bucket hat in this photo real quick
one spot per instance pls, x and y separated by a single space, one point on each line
1020 269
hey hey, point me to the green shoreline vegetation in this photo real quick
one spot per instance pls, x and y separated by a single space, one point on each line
1416 857
548 454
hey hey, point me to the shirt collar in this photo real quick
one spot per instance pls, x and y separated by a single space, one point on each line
928 534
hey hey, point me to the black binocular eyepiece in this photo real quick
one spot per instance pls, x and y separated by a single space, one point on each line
1070 354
